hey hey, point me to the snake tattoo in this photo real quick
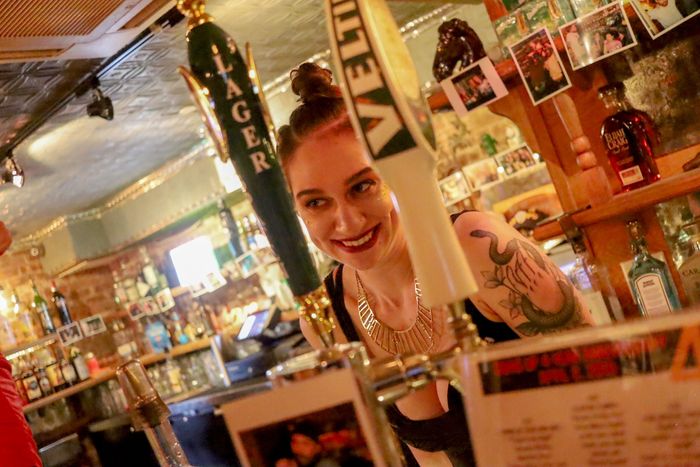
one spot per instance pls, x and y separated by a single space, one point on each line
539 321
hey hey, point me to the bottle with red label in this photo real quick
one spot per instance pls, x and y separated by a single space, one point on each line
629 137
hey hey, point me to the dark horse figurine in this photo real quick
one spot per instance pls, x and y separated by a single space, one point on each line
457 44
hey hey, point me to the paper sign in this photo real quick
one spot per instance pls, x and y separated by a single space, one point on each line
614 395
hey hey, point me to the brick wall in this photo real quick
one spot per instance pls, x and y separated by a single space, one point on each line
87 292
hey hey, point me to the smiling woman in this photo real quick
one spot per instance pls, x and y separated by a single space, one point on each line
349 213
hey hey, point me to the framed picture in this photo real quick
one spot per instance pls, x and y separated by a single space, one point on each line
482 172
70 333
454 188
248 263
597 35
660 16
516 159
314 420
136 312
539 66
474 86
149 306
93 325
165 300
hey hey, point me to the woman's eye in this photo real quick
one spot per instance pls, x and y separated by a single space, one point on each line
315 203
363 186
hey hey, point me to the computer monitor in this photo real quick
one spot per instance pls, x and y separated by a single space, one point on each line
254 325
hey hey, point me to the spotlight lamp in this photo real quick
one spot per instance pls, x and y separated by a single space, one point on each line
12 173
101 105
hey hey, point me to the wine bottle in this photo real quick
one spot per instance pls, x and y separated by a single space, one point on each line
67 368
42 309
59 302
652 285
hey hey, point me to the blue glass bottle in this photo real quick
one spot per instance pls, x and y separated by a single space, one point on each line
652 286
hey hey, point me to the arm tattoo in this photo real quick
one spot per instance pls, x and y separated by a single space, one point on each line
518 269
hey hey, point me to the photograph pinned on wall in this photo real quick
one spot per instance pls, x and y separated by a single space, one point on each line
597 35
661 16
149 306
136 312
70 333
481 173
328 424
93 325
474 86
516 159
165 299
540 67
454 188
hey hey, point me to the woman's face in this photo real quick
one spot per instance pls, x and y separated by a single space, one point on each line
346 207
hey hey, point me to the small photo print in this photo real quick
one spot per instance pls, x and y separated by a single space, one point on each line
454 188
482 172
515 160
70 333
329 437
598 35
661 16
93 325
165 299
136 312
474 86
328 424
540 67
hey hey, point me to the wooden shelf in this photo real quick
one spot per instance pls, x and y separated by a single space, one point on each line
109 373
94 380
627 203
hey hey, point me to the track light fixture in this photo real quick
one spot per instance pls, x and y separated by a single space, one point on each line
101 105
12 172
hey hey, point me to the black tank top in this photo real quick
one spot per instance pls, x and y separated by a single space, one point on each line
447 432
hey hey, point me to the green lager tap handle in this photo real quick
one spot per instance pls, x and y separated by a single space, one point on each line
233 114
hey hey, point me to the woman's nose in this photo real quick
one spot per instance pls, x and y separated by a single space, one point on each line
348 219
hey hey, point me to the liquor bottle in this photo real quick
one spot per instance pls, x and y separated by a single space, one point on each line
44 382
652 286
229 224
261 240
249 234
59 302
79 363
7 335
242 237
17 372
150 273
53 372
120 297
67 369
594 284
688 248
42 309
629 137
31 383
24 324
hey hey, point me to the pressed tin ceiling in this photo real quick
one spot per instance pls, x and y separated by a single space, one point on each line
74 162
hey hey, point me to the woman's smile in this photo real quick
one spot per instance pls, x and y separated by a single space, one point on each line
360 243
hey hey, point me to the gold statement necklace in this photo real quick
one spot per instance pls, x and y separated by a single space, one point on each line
416 339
